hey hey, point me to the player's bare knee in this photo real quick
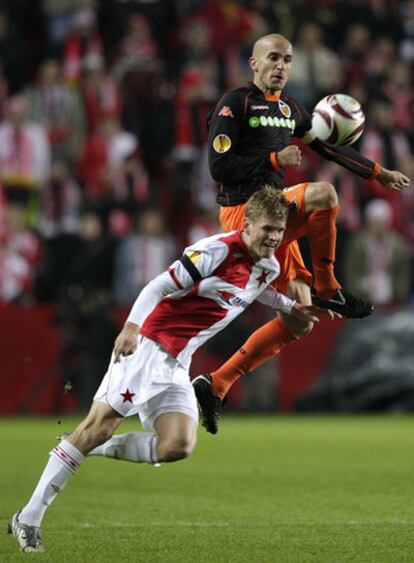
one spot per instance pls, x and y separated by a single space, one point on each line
297 327
303 329
175 449
320 195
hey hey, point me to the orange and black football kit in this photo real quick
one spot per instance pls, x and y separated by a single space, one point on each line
247 129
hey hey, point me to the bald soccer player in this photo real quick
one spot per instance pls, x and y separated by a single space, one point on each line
250 133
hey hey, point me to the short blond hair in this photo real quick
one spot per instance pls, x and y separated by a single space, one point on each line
267 202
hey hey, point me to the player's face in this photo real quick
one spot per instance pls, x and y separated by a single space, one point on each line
263 236
272 64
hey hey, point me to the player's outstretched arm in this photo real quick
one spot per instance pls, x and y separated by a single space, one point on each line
392 179
311 313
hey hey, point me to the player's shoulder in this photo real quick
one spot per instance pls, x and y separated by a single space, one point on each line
233 98
218 241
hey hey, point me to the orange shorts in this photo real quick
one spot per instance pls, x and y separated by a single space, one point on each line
288 253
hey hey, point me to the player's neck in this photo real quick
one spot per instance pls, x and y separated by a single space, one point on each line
267 91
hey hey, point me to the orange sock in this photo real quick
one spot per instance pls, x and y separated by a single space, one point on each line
258 348
321 231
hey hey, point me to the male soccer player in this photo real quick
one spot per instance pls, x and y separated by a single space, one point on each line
202 292
249 134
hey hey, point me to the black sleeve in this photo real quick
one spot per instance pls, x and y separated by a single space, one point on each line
347 157
225 132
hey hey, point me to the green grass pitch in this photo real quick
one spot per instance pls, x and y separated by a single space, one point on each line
265 489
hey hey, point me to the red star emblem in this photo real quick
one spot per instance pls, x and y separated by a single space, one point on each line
127 396
262 278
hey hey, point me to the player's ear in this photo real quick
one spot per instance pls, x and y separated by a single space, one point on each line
246 225
253 63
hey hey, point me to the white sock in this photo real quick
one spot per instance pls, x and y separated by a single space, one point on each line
140 447
64 460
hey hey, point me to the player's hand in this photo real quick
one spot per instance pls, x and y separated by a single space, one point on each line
126 342
392 179
305 312
311 313
289 156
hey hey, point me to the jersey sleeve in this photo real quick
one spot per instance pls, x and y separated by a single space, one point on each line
348 158
271 297
197 262
225 131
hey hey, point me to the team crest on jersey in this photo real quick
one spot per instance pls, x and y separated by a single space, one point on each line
194 256
226 112
221 143
284 109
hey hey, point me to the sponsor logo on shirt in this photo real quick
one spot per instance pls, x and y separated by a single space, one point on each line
221 143
269 121
226 112
284 108
232 300
259 107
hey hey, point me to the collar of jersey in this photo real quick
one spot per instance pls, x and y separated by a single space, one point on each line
267 97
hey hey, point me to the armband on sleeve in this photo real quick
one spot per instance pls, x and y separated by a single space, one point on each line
374 174
274 161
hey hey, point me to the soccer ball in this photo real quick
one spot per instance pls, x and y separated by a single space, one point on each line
338 120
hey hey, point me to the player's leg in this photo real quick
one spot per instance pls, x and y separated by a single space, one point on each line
172 418
64 460
321 208
314 208
177 435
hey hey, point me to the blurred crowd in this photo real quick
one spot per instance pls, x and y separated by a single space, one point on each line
103 105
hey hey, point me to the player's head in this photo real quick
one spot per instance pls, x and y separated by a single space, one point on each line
266 214
271 62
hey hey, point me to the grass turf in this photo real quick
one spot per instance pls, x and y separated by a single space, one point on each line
266 489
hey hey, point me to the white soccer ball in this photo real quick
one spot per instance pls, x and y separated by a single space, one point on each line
338 120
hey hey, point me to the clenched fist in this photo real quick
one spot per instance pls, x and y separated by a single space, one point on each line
289 156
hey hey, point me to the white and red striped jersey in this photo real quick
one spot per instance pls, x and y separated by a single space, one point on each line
213 282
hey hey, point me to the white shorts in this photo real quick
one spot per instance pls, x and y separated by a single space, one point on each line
149 383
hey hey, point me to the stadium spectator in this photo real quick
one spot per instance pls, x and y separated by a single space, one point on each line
315 67
59 109
148 373
20 257
110 166
377 264
24 153
83 40
101 95
58 22
142 255
384 142
60 203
